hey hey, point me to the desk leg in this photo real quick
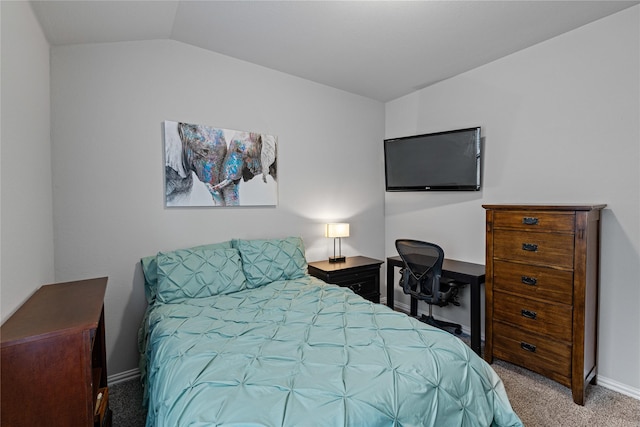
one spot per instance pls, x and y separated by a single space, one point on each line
475 318
391 287
390 282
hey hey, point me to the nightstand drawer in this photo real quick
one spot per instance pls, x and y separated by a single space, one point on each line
533 220
534 281
533 351
360 274
535 248
362 284
553 320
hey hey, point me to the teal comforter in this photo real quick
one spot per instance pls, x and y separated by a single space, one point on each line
302 352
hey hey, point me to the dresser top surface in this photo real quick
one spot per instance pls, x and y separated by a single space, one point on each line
56 308
540 207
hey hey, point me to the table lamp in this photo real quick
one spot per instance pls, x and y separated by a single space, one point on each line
337 231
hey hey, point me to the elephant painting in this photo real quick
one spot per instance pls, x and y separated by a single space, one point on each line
211 166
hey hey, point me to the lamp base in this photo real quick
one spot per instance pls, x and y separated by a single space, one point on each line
337 259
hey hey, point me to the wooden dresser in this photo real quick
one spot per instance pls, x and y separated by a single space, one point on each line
52 356
542 268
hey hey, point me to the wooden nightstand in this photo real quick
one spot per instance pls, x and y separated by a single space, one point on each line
358 273
53 358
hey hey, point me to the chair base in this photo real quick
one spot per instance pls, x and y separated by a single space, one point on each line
441 324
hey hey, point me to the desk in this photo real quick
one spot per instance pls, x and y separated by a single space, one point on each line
465 272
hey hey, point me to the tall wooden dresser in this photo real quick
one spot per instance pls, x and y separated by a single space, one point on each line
52 356
542 272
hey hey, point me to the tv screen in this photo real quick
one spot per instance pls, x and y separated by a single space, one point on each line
436 161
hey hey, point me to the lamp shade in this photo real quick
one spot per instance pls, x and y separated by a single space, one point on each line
337 230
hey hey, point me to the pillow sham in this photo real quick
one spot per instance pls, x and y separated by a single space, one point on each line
265 261
150 273
150 269
198 273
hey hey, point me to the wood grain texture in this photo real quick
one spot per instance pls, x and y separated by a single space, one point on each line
534 281
52 357
542 290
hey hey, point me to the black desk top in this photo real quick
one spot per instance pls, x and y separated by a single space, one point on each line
457 270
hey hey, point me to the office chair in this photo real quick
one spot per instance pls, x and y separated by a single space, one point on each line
422 279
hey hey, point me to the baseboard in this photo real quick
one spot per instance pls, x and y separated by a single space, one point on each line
131 374
618 387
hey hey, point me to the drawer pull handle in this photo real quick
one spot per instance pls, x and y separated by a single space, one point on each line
531 281
531 247
528 347
356 287
529 314
530 220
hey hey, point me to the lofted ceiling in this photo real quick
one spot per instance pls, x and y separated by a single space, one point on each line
378 49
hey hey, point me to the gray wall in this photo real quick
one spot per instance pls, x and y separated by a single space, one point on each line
27 221
108 105
560 123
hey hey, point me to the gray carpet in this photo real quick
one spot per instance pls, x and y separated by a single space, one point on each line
125 400
538 401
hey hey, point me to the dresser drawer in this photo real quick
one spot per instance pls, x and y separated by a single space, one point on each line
533 351
531 247
531 220
534 281
553 320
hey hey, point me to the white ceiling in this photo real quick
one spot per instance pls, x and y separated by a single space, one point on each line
378 49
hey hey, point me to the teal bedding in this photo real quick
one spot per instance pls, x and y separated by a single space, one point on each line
300 352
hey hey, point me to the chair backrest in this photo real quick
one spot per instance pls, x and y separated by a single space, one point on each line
422 268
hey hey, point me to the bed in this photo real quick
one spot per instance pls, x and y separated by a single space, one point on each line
238 334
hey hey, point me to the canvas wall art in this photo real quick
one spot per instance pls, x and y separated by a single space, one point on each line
209 166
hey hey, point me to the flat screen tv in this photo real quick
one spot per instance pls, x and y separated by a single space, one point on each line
435 161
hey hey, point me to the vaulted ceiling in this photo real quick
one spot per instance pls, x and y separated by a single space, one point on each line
377 49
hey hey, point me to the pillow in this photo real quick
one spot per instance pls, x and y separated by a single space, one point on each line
198 273
150 270
265 261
